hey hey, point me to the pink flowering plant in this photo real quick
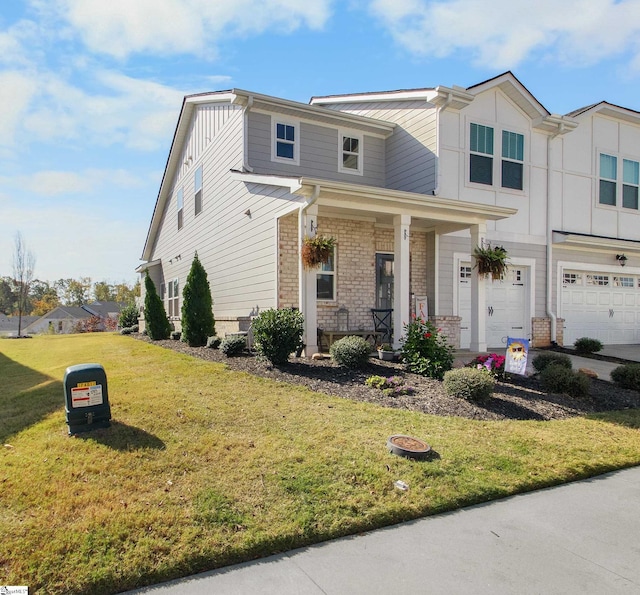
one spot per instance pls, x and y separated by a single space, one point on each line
425 349
492 362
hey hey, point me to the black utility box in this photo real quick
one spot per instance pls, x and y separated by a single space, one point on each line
87 398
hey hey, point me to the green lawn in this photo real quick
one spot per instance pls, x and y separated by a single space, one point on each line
204 467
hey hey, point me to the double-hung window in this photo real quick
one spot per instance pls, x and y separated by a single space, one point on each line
180 206
613 169
350 153
326 279
481 157
197 183
512 160
286 143
173 298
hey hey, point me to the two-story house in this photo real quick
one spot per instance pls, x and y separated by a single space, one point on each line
407 182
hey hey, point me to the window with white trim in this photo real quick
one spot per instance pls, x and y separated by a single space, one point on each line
285 147
572 279
180 207
512 160
481 156
326 279
598 280
465 272
623 282
197 188
350 159
482 166
173 298
613 168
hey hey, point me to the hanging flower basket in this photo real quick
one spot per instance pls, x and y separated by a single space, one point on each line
491 261
316 251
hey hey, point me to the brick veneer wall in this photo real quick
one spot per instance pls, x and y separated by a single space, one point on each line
541 332
449 326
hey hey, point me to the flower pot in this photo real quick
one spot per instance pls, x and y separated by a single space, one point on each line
386 355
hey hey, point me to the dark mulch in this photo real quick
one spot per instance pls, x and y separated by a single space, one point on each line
518 398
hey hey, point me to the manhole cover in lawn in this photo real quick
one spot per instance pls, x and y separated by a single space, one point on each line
406 446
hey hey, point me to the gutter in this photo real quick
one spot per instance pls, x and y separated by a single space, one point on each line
550 313
245 114
301 228
440 109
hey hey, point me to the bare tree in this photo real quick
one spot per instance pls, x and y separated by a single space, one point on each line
24 263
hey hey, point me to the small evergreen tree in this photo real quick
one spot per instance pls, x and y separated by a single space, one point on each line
157 323
128 316
198 323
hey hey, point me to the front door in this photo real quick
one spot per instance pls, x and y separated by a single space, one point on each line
384 281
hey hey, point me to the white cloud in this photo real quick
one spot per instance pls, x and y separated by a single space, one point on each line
16 92
122 27
503 33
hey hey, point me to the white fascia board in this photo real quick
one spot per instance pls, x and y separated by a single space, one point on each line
216 97
141 268
292 184
594 243
406 95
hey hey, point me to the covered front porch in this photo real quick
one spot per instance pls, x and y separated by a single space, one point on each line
386 256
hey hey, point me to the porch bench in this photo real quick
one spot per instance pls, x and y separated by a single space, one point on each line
327 337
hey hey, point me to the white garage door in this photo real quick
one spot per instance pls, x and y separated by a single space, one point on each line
602 306
507 312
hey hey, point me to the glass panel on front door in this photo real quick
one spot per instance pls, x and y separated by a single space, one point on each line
384 280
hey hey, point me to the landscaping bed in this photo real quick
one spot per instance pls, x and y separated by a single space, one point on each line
517 398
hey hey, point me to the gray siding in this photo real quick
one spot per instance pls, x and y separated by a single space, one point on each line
319 153
411 150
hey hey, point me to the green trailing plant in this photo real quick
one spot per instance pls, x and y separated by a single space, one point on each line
392 386
627 376
472 384
385 347
559 379
214 342
491 261
425 350
128 316
278 333
316 251
549 358
198 323
233 345
156 322
585 345
350 352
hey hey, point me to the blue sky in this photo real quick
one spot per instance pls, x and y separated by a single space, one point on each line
90 91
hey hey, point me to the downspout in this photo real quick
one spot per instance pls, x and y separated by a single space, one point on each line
440 109
245 114
550 313
301 228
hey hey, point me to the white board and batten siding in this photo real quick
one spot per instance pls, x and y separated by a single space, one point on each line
320 152
411 149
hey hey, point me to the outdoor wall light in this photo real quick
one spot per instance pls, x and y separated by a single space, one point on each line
622 259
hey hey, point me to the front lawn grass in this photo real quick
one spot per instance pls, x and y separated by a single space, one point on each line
205 467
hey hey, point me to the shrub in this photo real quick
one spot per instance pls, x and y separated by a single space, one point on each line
492 362
175 335
586 345
350 352
393 386
157 323
135 328
127 330
128 316
472 384
548 358
560 379
627 376
278 333
425 351
197 307
233 345
213 342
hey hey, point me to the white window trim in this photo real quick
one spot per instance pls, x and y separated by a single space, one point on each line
173 299
274 140
197 189
180 207
619 181
342 133
497 157
334 273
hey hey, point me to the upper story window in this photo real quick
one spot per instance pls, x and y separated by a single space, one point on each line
608 182
481 158
180 206
326 279
197 183
482 153
350 160
286 142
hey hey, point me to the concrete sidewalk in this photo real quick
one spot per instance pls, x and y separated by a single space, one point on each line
576 538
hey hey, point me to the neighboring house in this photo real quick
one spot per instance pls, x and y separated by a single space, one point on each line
408 183
65 319
9 325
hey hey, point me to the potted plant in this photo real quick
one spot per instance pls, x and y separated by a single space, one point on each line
386 352
491 261
316 251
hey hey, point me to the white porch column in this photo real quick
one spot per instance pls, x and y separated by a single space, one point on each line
478 299
401 306
307 286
